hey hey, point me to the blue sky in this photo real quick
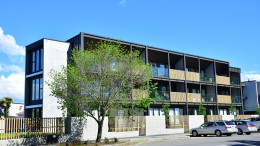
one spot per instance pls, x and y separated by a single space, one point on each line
222 29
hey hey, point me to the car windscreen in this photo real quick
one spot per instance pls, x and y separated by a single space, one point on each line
221 123
230 123
249 123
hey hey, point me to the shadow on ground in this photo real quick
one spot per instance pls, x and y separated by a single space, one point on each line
246 142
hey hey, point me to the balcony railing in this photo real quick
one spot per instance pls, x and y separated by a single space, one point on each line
223 80
194 97
160 95
208 98
177 74
192 76
224 99
160 72
207 77
178 97
236 99
235 81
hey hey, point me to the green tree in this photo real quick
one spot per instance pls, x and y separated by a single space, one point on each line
258 110
166 111
202 110
101 78
232 109
5 103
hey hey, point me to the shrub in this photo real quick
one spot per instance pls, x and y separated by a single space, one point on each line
115 139
106 140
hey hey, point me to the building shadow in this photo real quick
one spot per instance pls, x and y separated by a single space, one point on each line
246 142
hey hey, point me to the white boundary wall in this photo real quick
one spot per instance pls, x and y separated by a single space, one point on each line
228 117
195 121
155 125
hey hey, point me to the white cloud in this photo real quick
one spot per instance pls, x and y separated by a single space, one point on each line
122 2
12 86
8 45
12 68
250 76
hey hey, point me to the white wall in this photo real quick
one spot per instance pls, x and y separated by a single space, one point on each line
195 121
155 125
15 109
228 117
87 130
55 55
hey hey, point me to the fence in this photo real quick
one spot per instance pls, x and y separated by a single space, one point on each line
15 128
242 117
178 122
213 118
121 124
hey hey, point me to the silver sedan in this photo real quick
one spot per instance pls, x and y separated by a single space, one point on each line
217 128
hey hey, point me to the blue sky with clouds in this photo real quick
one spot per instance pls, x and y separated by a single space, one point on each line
222 29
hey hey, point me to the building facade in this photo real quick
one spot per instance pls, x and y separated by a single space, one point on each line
184 80
251 94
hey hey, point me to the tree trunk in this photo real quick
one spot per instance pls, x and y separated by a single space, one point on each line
100 126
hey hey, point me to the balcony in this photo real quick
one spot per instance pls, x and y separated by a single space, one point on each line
224 99
137 94
178 97
234 81
236 99
177 74
209 98
194 97
160 95
192 76
223 80
207 77
160 72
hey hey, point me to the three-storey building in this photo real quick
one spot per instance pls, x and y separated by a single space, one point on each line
184 80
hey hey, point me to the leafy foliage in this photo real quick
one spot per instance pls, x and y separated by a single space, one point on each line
232 109
5 103
202 110
101 78
258 110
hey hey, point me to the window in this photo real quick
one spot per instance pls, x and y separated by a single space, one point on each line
221 123
36 60
41 61
37 88
33 61
33 89
37 93
41 88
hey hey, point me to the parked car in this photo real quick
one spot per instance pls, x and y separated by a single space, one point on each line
217 128
256 121
245 126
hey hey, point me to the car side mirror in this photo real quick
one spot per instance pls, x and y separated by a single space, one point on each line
201 126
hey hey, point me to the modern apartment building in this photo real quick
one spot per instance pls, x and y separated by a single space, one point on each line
184 80
251 94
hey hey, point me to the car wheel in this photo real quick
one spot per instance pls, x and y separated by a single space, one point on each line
240 132
248 133
218 133
194 133
229 134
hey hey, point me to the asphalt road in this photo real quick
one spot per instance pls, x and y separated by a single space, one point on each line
234 140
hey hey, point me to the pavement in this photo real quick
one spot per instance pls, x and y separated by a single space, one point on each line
185 139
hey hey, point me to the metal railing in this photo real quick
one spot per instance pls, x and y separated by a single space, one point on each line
208 98
236 99
160 72
160 95
207 77
235 81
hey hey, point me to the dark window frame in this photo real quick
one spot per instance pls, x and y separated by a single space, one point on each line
36 60
36 98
